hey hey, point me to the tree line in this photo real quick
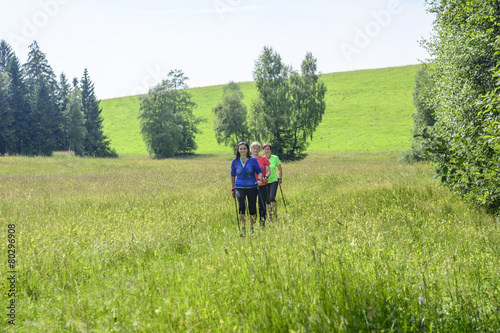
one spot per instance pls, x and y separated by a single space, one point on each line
286 112
40 114
457 122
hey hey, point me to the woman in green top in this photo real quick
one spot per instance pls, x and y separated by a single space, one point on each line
274 179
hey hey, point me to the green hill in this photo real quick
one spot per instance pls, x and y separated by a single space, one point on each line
366 110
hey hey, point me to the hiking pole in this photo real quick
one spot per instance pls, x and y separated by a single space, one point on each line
237 213
263 203
269 198
283 197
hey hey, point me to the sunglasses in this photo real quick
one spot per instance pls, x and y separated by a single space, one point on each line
242 143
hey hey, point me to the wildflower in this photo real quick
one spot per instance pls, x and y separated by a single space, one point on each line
420 300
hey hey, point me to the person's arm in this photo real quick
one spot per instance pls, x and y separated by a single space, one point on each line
259 178
280 174
233 182
268 171
258 171
233 178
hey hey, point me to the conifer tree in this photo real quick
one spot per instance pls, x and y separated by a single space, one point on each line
5 55
62 100
95 144
37 68
74 122
19 105
47 119
6 117
43 140
7 107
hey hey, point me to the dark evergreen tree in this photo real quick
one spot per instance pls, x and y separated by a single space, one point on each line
6 113
41 120
37 68
39 115
6 116
42 88
5 55
95 144
74 122
20 108
62 103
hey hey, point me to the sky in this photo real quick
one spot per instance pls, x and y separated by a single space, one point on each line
129 46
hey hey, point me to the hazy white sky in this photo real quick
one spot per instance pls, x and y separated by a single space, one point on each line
129 46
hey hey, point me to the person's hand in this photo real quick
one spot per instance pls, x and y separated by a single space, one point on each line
258 182
233 193
279 181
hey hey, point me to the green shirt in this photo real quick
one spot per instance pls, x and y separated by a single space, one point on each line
275 161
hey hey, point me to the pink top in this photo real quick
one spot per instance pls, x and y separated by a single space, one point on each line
263 161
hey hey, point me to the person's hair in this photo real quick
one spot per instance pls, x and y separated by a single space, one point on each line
238 150
267 145
255 144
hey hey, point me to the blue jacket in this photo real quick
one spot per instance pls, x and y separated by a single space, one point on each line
245 175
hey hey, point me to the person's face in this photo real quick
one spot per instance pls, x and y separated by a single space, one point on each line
255 150
243 150
267 150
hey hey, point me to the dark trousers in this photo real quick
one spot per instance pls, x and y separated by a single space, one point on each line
251 194
273 189
264 196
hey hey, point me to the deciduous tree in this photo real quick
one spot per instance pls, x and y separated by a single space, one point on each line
290 105
308 105
230 122
271 112
168 124
464 51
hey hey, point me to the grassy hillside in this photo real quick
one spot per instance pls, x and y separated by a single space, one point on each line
366 110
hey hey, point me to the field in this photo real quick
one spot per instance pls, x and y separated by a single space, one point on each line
366 110
141 245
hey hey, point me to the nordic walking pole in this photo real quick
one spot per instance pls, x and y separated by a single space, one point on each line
269 198
261 200
283 197
237 215
260 196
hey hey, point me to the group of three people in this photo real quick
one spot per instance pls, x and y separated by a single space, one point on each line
252 176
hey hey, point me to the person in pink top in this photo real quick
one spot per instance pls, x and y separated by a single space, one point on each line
264 202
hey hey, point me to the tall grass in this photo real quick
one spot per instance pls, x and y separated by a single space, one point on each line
147 245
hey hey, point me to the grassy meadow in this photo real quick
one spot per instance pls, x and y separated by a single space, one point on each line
366 110
141 245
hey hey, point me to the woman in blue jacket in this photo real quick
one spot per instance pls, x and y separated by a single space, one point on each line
243 170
